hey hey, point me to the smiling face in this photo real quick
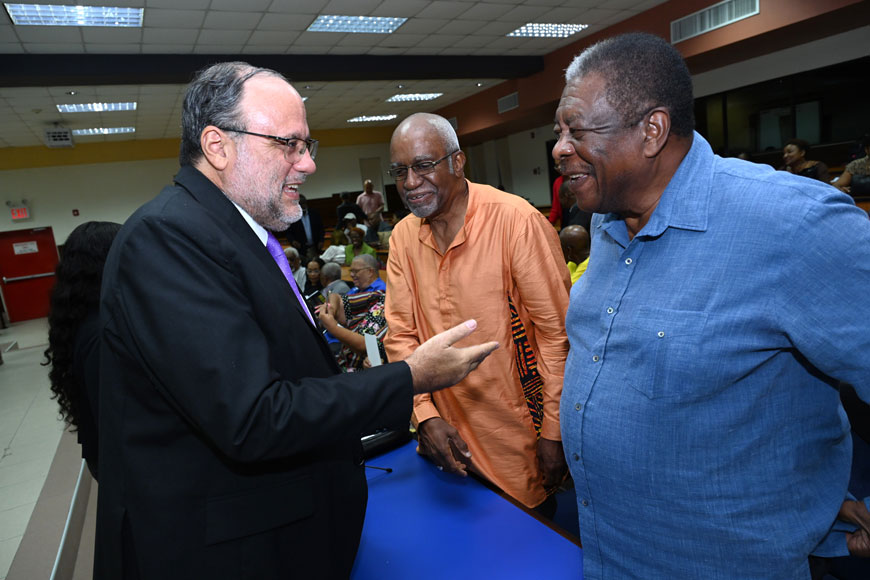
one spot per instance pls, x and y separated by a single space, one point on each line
260 179
313 272
600 157
792 155
430 195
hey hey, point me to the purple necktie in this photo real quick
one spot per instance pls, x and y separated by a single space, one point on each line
274 247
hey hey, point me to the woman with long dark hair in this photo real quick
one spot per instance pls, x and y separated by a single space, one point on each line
73 331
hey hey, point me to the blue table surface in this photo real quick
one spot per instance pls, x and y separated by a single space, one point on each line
422 523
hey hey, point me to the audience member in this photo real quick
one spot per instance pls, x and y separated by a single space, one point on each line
296 265
700 416
855 179
312 282
348 206
575 247
370 200
794 155
556 209
472 248
74 332
335 253
229 441
330 279
306 235
351 223
376 225
357 246
361 311
572 215
398 215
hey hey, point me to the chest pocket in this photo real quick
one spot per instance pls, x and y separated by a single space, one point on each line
666 363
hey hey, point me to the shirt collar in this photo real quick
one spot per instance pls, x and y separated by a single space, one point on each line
685 200
259 230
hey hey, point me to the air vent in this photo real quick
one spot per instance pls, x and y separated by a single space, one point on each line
508 102
711 18
58 137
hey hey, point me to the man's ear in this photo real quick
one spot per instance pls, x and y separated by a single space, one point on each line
459 164
216 147
656 130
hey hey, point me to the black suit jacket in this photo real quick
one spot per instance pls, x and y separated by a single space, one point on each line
229 443
296 231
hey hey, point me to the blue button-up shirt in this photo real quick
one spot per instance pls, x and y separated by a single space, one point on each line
700 414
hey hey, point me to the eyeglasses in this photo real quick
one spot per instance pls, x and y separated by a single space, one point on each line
400 173
295 147
355 271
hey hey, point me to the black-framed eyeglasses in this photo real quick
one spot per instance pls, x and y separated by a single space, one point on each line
295 147
400 173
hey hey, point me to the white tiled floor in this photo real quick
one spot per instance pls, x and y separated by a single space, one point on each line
30 429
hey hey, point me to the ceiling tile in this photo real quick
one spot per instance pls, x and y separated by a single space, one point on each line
524 14
311 39
350 7
497 28
445 9
484 11
218 37
49 34
460 27
108 48
401 8
400 40
162 18
232 20
440 40
252 5
169 36
295 6
7 33
275 21
422 26
223 48
264 49
170 48
10 48
179 4
272 37
111 35
60 48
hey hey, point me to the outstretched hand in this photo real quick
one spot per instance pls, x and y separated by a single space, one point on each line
437 364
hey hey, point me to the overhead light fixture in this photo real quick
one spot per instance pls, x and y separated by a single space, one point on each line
406 97
103 131
56 15
96 107
542 30
372 118
356 24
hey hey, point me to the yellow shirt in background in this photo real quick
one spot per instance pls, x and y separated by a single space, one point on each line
577 270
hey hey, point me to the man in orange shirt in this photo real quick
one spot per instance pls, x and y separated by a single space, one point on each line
470 248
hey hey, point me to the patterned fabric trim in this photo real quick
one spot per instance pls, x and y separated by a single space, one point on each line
527 366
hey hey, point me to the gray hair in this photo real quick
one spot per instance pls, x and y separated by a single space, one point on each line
445 131
369 260
291 251
213 98
640 71
331 271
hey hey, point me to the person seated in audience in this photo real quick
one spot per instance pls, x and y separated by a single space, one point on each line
359 312
397 216
350 222
335 252
855 179
312 284
296 266
74 332
575 246
376 225
794 155
330 279
348 206
357 247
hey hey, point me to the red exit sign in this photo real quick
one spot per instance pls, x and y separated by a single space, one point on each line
20 212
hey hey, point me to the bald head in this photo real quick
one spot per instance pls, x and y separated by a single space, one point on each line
438 127
575 243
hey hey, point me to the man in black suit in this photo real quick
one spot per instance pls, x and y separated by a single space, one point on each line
229 442
306 234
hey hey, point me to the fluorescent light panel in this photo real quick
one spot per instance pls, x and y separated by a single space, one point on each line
96 107
103 131
405 97
544 30
371 118
54 15
356 24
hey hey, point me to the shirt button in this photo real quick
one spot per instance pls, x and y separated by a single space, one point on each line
578 406
576 457
595 358
584 503
610 311
661 334
628 261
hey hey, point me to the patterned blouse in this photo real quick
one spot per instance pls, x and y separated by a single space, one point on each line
365 315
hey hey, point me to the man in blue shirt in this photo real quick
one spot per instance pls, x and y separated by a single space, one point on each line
700 413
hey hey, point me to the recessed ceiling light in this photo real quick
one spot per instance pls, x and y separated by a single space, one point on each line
71 93
400 86
96 107
357 24
401 98
55 15
542 30
371 118
103 131
480 84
